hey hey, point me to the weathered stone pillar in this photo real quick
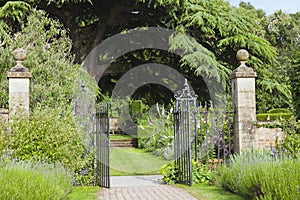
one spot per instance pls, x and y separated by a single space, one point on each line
4 114
244 104
19 77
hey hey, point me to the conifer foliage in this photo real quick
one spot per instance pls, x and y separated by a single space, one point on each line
219 31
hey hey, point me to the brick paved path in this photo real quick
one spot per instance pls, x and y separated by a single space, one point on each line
163 192
141 187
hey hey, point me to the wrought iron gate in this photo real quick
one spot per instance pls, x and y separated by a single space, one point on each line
199 132
102 145
185 133
93 123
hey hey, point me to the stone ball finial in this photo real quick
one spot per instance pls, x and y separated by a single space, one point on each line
19 54
242 55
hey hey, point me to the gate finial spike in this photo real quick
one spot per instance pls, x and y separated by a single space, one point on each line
186 85
82 84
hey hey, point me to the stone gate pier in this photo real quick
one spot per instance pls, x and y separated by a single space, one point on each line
244 104
19 79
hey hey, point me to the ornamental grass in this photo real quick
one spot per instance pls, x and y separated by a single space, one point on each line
25 180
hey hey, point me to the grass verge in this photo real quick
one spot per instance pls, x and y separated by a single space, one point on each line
133 161
84 193
204 191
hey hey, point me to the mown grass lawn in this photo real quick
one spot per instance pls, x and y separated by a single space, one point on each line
204 191
121 137
133 161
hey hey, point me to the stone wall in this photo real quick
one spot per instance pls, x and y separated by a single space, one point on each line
266 137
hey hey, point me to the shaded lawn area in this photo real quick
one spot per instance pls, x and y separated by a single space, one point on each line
204 191
121 137
132 161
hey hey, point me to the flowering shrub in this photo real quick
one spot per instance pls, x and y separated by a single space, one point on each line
157 134
47 135
215 134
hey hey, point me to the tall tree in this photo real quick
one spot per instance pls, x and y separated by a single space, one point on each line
248 6
49 56
283 31
218 30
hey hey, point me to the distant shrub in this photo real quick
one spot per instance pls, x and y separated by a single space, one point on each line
135 107
26 180
260 176
290 144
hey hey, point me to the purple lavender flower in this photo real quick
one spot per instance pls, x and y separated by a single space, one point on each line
10 152
150 122
226 152
274 151
208 140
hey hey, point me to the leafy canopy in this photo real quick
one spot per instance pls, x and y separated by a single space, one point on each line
218 30
49 59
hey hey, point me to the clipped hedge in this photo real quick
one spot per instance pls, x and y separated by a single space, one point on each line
26 180
273 116
279 110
